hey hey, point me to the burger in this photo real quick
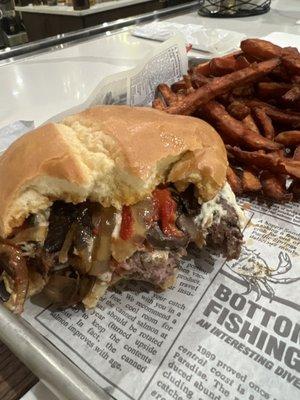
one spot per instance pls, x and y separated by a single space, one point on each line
112 193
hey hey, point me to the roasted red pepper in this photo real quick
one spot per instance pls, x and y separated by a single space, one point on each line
165 211
126 230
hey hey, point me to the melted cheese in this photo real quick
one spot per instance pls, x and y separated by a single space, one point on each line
212 211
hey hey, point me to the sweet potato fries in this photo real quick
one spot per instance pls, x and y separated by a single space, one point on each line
252 98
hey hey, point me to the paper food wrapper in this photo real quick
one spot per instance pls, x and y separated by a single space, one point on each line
225 330
215 42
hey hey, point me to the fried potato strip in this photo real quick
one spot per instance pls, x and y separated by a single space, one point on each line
234 181
274 187
270 162
234 130
265 122
250 182
219 86
288 138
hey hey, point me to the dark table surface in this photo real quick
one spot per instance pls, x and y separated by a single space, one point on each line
15 378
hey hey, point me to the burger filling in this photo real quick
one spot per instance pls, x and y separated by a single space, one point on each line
73 253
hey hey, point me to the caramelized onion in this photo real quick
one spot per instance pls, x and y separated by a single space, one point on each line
97 291
63 254
102 254
96 219
103 248
144 215
32 234
102 244
36 282
121 249
61 289
66 290
80 264
16 269
83 257
82 260
46 261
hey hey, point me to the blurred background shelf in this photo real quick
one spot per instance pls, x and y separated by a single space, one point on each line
42 21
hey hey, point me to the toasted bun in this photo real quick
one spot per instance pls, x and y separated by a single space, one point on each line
114 155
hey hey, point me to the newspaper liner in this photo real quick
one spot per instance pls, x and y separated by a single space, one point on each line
226 330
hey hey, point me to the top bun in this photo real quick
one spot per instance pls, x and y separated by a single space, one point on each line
113 155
